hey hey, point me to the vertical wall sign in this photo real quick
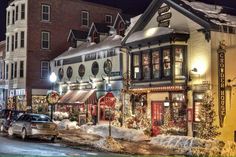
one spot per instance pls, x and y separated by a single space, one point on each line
164 16
221 83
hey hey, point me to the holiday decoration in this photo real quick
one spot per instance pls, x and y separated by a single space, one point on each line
53 97
206 128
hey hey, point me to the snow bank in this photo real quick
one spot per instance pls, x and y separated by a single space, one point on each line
116 132
190 145
60 115
66 124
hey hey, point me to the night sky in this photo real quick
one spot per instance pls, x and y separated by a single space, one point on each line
132 7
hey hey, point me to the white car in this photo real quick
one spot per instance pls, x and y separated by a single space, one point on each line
34 125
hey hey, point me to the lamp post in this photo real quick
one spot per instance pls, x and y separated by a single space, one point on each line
53 79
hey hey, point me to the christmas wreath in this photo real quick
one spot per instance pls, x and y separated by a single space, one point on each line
53 97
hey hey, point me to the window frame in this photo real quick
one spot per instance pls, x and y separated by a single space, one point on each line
82 18
17 12
8 17
15 70
48 40
13 17
16 40
7 71
107 16
48 14
42 69
21 69
12 71
22 11
22 39
12 43
8 43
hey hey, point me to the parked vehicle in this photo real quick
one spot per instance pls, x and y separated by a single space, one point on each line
7 116
34 125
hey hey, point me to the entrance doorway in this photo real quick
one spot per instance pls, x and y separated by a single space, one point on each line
157 116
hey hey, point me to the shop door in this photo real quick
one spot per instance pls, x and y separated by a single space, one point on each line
157 117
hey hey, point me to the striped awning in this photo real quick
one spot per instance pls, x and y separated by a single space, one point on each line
79 97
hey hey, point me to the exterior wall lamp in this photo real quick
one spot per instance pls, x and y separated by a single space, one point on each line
192 72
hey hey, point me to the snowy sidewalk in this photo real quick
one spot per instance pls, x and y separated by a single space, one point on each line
79 137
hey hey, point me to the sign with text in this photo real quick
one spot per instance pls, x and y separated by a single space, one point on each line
221 84
164 16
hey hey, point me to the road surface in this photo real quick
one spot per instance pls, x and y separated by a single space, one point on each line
35 147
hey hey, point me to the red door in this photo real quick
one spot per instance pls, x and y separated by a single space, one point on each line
157 117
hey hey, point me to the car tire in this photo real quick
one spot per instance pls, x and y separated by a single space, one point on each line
1 128
53 139
23 134
10 131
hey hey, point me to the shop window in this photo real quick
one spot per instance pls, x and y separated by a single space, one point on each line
146 66
136 67
69 72
156 64
60 73
81 70
139 103
95 68
166 63
107 66
179 59
197 103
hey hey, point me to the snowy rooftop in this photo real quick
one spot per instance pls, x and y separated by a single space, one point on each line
213 12
85 48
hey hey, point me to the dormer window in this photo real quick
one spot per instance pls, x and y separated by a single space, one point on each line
95 37
121 29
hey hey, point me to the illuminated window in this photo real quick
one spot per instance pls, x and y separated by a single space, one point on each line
166 63
156 64
179 61
146 66
136 67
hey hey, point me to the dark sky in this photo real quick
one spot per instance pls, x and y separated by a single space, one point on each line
128 6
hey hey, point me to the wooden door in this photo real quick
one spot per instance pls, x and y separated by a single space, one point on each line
157 117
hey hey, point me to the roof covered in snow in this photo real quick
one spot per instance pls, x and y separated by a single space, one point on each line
210 17
78 35
86 47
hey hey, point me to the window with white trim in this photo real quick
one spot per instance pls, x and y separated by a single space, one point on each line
12 43
13 16
22 39
17 11
8 17
16 40
12 71
22 11
45 40
6 76
15 70
8 40
108 19
46 11
45 69
21 69
85 18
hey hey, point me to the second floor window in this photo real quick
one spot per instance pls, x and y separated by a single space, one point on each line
44 69
85 18
45 40
21 69
6 76
13 16
45 12
12 71
22 39
22 11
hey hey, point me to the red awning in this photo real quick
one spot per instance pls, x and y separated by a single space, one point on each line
79 97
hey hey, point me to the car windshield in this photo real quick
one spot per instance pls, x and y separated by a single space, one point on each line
41 118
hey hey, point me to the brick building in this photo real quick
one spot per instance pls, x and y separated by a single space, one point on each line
36 33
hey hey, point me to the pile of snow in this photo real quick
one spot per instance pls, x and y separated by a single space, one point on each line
60 115
116 132
191 145
109 144
66 124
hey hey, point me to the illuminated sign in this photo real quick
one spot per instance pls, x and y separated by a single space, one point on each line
221 83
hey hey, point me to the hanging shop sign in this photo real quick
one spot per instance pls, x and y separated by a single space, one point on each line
190 114
164 16
221 83
110 100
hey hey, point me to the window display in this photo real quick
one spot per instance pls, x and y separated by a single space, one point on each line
156 64
146 67
166 62
178 61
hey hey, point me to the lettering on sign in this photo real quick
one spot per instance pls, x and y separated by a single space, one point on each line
164 16
221 84
163 9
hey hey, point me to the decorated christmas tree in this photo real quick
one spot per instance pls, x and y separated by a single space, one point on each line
206 127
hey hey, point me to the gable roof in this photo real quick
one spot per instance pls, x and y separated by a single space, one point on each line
124 17
77 35
182 6
100 28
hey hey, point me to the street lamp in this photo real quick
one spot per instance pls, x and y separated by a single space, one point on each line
53 79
